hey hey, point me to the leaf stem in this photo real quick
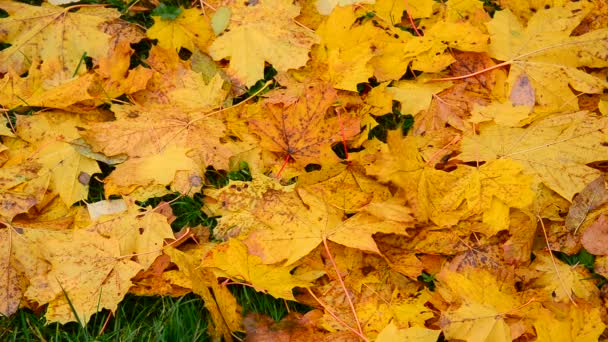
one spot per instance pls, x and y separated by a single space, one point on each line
350 301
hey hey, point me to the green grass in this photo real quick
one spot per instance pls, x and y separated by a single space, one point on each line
137 319
585 259
143 319
255 302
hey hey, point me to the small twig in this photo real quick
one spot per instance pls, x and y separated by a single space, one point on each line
350 301
436 154
105 324
234 106
411 20
559 277
285 162
332 314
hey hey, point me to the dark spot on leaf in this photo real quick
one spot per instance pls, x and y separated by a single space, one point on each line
366 270
84 178
141 231
196 180
312 167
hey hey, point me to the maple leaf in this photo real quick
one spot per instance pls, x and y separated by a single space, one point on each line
415 96
248 215
221 304
232 260
548 55
22 187
41 88
145 131
45 84
578 323
158 169
453 201
393 333
592 196
293 327
491 189
83 266
454 104
263 32
409 310
303 131
52 33
141 234
347 50
189 30
14 282
53 133
423 184
345 186
559 281
594 239
483 299
555 149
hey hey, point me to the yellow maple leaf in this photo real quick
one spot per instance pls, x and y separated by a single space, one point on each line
83 266
347 48
506 113
420 334
138 233
189 30
15 280
258 215
53 133
560 282
42 88
402 163
556 149
409 308
548 55
491 190
576 323
484 301
232 260
23 186
475 322
415 96
261 32
225 312
157 169
46 32
344 186
141 131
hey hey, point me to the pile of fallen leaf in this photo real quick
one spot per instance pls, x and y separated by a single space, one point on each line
454 229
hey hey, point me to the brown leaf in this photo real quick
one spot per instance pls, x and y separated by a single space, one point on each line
303 130
595 237
592 196
295 327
